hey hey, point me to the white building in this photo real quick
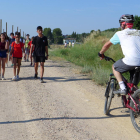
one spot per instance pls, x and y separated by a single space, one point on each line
67 40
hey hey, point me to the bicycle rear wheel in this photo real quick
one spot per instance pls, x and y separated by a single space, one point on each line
109 95
135 116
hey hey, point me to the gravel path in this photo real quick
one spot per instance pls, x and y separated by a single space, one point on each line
68 106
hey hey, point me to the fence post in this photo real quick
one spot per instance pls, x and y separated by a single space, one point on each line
12 28
6 27
20 32
0 26
23 34
17 29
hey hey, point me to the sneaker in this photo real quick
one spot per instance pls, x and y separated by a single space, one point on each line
120 91
35 76
17 77
3 78
14 78
41 80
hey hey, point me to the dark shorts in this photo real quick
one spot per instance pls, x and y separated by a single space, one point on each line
121 67
18 57
39 59
3 54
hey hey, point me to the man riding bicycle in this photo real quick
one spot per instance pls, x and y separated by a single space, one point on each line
129 39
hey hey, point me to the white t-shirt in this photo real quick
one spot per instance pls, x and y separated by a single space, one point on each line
129 39
72 44
65 44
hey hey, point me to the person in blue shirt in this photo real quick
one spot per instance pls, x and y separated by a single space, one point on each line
11 41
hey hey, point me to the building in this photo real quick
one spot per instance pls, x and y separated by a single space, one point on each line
67 40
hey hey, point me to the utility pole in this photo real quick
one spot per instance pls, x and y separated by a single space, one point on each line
17 29
12 28
20 32
0 26
6 27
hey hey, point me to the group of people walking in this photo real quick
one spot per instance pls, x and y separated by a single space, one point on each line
17 48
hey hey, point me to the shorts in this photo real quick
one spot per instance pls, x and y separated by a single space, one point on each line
39 59
18 57
121 67
3 54
26 50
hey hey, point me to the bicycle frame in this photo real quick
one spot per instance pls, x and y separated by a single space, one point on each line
130 92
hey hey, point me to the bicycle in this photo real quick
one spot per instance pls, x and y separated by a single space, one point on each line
132 101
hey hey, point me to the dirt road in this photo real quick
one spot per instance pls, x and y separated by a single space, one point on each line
68 106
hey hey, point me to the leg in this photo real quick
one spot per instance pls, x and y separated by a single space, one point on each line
0 65
18 67
14 68
117 75
36 67
6 60
3 66
42 69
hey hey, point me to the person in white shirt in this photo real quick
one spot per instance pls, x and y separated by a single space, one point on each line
65 44
73 44
129 39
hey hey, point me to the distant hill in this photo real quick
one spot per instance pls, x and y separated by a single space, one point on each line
113 30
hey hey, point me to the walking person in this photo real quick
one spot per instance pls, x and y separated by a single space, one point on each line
16 53
65 44
7 50
73 44
40 45
30 44
3 48
11 41
69 44
27 48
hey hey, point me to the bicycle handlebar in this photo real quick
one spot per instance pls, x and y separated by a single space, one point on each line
109 59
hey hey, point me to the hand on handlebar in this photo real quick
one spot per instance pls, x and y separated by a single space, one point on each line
102 56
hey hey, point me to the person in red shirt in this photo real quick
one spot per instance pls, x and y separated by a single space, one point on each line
30 44
16 53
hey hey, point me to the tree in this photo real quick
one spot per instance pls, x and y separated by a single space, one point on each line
137 22
57 35
73 35
48 33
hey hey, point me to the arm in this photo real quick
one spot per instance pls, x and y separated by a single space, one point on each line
105 47
31 50
46 48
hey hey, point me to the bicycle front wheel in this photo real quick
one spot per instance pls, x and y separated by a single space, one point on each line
109 95
135 116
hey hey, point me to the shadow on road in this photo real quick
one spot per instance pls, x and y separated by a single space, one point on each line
67 118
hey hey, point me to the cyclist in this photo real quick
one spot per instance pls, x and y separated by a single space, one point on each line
129 39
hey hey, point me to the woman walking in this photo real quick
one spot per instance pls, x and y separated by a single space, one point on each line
3 48
16 53
7 50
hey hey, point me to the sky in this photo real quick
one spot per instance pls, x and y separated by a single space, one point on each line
74 15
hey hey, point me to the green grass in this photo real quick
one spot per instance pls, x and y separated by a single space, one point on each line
86 55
